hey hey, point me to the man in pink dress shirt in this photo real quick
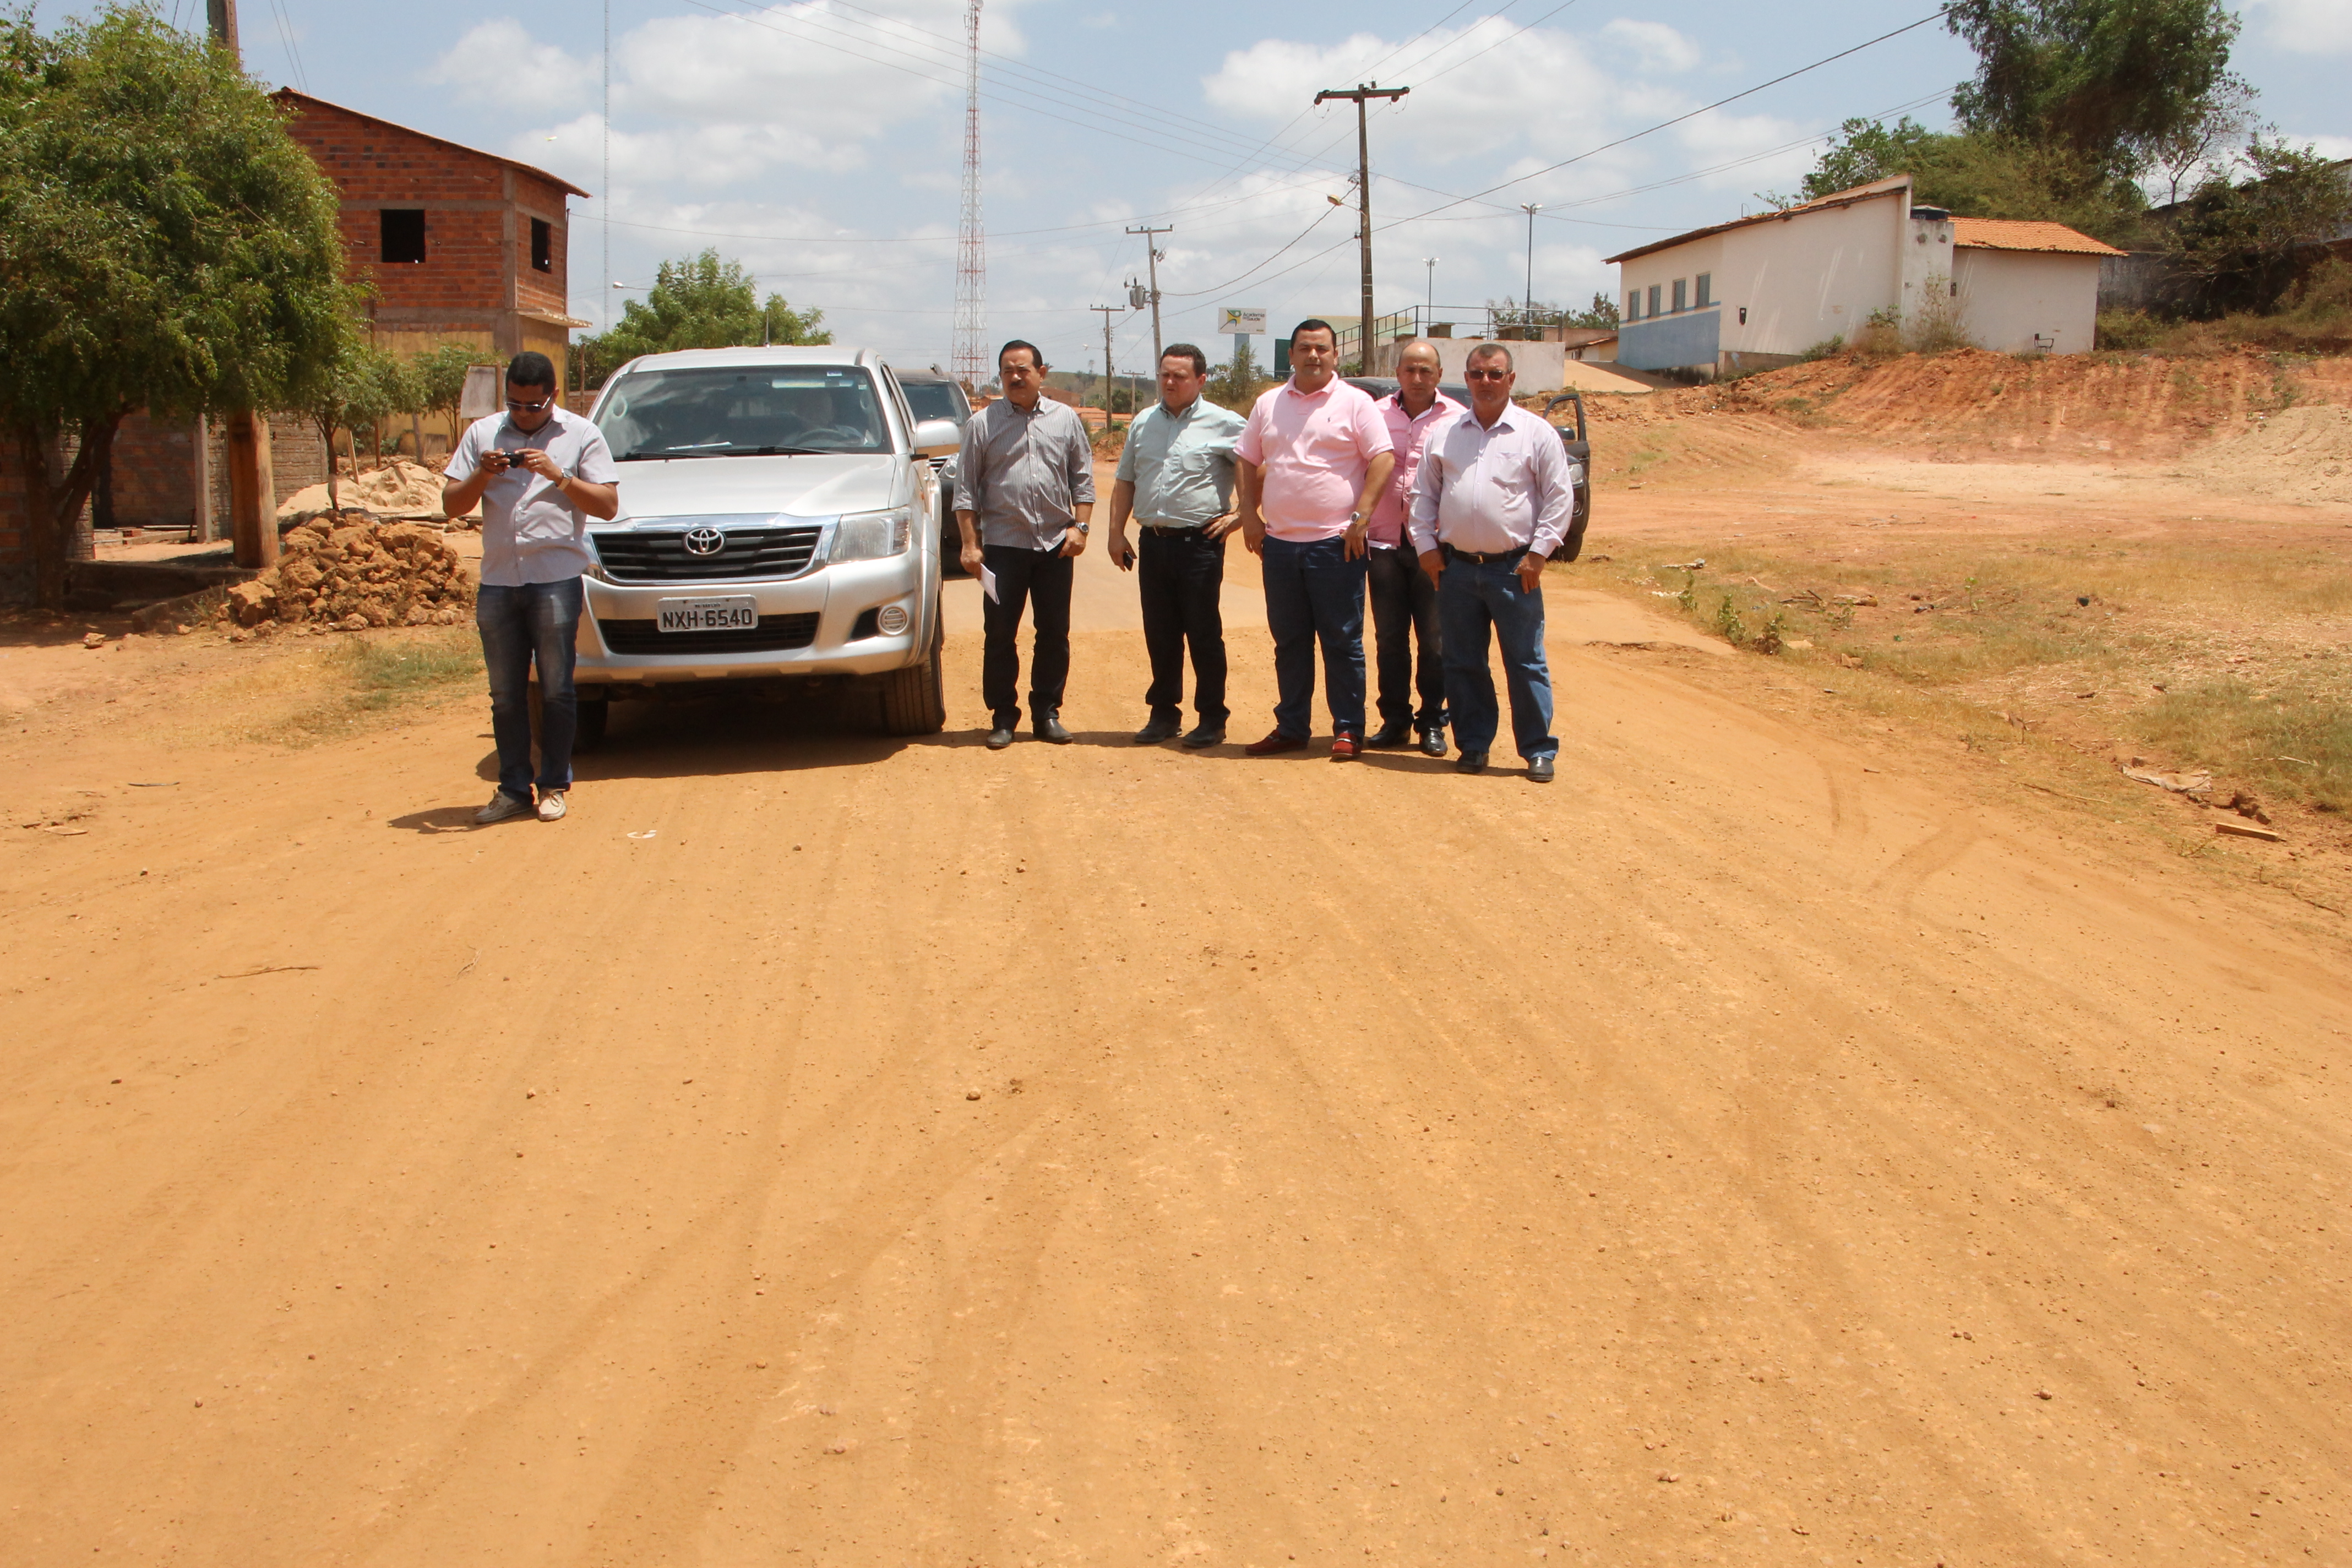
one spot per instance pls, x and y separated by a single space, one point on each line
1312 461
1404 600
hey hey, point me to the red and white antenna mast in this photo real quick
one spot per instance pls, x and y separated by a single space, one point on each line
971 353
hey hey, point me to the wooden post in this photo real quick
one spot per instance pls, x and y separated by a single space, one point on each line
202 526
252 498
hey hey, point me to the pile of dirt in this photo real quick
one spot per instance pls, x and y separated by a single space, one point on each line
1971 404
2297 454
399 489
351 572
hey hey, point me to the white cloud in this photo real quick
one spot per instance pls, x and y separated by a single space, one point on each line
499 61
1716 137
1475 99
2307 26
2327 146
1657 47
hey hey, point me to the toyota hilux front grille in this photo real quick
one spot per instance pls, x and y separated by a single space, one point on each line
774 634
651 556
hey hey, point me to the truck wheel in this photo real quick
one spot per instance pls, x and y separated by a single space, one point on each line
914 702
595 713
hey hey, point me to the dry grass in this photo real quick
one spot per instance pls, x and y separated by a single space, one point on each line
363 678
2196 657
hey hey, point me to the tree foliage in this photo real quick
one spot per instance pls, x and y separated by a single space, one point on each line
1508 318
440 376
1976 174
2241 244
162 242
2109 81
366 387
703 301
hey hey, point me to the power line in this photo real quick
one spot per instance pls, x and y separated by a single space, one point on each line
1666 124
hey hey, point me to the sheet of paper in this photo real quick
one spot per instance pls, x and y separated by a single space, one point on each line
988 583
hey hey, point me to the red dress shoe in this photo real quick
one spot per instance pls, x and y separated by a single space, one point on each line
1346 748
1277 742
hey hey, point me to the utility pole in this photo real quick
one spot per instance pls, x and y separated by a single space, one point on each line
1528 300
252 496
1151 255
1364 198
1108 311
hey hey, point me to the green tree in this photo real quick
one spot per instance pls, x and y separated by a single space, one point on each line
1977 176
162 242
2242 244
440 376
366 387
2110 81
1236 385
701 302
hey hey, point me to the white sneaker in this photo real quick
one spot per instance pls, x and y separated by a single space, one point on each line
550 806
502 806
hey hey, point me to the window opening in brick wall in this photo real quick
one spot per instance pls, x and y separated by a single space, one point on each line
542 245
1705 289
1682 293
403 234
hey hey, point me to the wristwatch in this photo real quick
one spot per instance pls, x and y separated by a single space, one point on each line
1081 527
1355 517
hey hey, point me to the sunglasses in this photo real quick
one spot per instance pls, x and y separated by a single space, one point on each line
529 408
1486 375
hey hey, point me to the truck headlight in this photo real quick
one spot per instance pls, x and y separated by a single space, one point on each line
872 535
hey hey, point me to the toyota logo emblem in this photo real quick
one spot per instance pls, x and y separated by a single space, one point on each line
705 542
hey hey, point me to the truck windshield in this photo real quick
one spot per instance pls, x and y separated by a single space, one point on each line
731 411
933 400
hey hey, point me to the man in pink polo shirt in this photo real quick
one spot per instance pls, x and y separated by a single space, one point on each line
1404 600
1312 461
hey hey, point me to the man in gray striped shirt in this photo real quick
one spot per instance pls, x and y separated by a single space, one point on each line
1024 490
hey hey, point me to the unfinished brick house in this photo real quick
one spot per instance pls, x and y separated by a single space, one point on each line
461 246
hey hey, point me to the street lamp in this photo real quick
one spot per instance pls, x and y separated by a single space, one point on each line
1431 262
1528 300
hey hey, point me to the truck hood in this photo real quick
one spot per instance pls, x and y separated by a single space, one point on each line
812 487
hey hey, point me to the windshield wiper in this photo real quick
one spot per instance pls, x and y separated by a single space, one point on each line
718 449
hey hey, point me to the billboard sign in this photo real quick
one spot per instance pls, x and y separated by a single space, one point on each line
1240 321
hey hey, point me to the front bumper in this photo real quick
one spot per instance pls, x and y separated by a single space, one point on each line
844 600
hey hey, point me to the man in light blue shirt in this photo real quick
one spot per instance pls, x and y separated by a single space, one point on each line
1175 478
540 473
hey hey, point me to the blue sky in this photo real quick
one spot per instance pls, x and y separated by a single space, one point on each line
821 144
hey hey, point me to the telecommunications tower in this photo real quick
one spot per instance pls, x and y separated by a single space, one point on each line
971 349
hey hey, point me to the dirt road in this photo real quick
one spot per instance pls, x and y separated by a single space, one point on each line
824 1150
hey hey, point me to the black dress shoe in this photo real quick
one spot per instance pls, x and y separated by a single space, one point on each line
1433 741
1048 727
1000 737
1159 730
1539 770
1388 736
1207 736
1470 763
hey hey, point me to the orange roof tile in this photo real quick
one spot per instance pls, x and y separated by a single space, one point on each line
2015 234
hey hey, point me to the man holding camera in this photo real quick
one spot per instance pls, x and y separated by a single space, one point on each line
540 473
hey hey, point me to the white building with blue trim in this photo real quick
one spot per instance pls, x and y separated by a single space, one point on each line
1761 291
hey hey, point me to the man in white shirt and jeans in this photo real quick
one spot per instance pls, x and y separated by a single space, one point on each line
1492 500
540 473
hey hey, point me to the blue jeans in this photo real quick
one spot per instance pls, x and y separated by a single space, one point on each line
1314 593
1473 597
536 621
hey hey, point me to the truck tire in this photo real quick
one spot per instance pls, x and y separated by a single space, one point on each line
914 701
595 713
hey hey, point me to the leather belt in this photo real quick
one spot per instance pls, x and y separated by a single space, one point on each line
1487 557
1171 528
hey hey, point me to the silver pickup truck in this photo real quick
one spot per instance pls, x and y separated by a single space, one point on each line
780 524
